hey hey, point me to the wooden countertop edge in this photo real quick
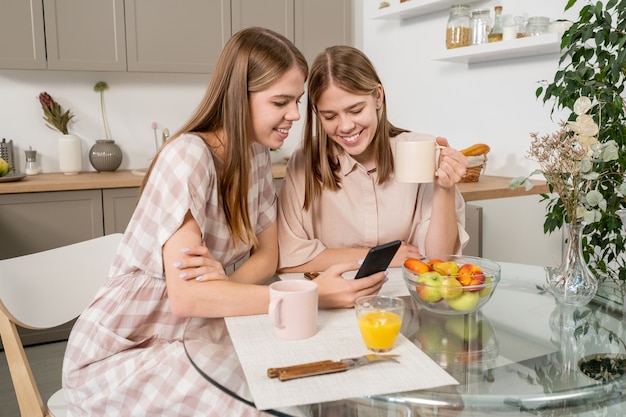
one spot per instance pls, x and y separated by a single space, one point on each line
491 187
487 187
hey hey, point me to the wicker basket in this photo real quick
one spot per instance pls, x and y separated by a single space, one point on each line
472 174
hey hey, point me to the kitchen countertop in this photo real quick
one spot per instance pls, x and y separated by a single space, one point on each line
487 187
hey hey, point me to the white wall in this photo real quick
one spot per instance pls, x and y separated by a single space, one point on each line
133 102
492 102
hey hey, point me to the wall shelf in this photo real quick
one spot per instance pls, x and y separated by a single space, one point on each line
549 43
412 8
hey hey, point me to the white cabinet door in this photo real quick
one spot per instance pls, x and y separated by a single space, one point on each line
85 35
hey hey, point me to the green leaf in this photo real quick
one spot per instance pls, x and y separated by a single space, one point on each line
516 182
593 197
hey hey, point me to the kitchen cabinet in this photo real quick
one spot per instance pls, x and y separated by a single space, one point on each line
85 35
118 205
34 222
181 36
277 15
175 36
22 42
322 23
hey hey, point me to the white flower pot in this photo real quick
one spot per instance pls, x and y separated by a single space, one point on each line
70 154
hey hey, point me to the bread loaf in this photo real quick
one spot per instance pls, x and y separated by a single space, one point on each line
475 150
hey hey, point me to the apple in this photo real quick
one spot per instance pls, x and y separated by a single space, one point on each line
416 265
466 302
487 290
470 274
450 288
448 268
427 287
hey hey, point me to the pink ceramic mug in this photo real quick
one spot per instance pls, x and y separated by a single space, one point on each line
293 309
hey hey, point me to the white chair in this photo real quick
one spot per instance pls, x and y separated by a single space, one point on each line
44 290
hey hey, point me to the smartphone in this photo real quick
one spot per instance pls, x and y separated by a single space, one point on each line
378 259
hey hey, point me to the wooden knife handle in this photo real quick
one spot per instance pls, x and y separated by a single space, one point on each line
300 372
274 372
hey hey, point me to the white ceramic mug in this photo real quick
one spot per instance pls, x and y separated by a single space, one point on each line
293 309
415 158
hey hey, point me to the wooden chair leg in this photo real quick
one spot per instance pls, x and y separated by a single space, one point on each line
26 390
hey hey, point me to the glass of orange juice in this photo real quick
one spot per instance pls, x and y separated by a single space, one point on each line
380 319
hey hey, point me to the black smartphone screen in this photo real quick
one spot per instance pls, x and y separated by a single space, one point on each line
378 259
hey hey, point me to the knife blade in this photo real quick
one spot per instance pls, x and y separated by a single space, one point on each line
287 373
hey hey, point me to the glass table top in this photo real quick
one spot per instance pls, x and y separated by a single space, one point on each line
520 354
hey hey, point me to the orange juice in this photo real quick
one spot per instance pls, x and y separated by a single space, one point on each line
379 329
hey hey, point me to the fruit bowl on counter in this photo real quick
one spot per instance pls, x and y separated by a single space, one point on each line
451 284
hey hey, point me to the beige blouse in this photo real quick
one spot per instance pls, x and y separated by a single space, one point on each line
361 214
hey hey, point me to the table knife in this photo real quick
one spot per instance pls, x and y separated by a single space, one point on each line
325 367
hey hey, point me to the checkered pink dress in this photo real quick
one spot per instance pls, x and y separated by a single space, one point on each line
125 355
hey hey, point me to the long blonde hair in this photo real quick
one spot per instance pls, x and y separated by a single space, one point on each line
252 60
349 69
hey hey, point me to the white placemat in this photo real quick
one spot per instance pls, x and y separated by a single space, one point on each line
395 284
337 337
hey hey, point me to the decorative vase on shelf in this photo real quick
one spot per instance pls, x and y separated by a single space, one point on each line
70 154
573 283
105 155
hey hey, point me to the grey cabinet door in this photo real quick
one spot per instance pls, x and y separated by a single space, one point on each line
118 205
277 15
322 23
176 35
34 222
85 35
22 42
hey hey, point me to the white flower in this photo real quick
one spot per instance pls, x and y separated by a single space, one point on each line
582 105
584 126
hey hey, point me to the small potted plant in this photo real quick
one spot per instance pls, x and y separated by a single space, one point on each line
70 148
105 155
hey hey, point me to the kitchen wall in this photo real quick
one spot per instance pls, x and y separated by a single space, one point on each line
491 102
133 101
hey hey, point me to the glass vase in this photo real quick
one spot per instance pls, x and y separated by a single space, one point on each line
573 283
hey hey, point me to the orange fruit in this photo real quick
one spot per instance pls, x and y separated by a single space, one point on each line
416 265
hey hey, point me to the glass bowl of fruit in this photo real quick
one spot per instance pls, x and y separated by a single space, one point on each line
451 284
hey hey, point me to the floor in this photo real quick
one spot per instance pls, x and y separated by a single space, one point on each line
45 361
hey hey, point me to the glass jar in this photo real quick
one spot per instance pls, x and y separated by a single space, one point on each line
480 25
458 28
520 26
537 25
